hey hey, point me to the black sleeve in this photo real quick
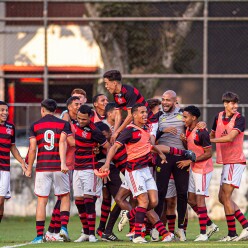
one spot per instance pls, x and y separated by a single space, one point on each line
124 137
13 136
240 123
215 123
31 131
98 137
204 138
67 128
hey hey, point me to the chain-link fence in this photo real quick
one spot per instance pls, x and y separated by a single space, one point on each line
48 47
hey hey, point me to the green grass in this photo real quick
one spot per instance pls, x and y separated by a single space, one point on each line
18 230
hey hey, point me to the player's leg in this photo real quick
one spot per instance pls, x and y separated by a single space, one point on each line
181 177
4 190
79 202
43 184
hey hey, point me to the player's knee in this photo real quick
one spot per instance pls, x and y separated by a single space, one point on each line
221 198
153 203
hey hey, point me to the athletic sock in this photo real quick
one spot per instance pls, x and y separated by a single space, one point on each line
64 216
40 228
57 224
131 214
202 215
171 219
1 216
105 209
241 218
230 219
161 228
82 215
90 214
139 220
51 227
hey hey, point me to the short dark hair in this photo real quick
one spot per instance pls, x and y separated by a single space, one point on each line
71 99
153 102
78 91
85 109
113 75
109 107
95 98
102 126
193 110
49 104
230 97
136 106
4 103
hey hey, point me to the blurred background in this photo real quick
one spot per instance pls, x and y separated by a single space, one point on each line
49 47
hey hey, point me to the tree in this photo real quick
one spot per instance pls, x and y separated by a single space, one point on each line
143 47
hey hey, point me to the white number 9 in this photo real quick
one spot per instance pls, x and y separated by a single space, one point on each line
49 138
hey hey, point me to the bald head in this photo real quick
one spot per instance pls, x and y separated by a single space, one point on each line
171 93
169 100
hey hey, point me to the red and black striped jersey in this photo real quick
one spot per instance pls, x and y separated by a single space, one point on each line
120 158
47 132
87 139
128 97
7 138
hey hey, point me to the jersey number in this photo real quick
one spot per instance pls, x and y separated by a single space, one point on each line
49 138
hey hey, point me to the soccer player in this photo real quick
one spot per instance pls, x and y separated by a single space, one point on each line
99 102
136 138
73 104
82 98
228 134
7 145
125 96
49 134
86 185
198 140
110 115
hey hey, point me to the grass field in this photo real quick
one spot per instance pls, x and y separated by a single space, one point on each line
17 230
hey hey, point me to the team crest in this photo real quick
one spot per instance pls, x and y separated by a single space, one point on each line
9 131
84 134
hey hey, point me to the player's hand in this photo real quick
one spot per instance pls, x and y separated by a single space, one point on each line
28 173
183 163
24 167
171 130
104 168
96 150
163 158
201 125
64 168
183 137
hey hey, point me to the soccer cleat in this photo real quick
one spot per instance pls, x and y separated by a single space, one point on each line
56 238
123 221
139 240
228 238
82 238
243 235
180 234
168 237
64 234
92 238
37 240
202 237
212 229
110 237
99 231
49 236
154 235
190 155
